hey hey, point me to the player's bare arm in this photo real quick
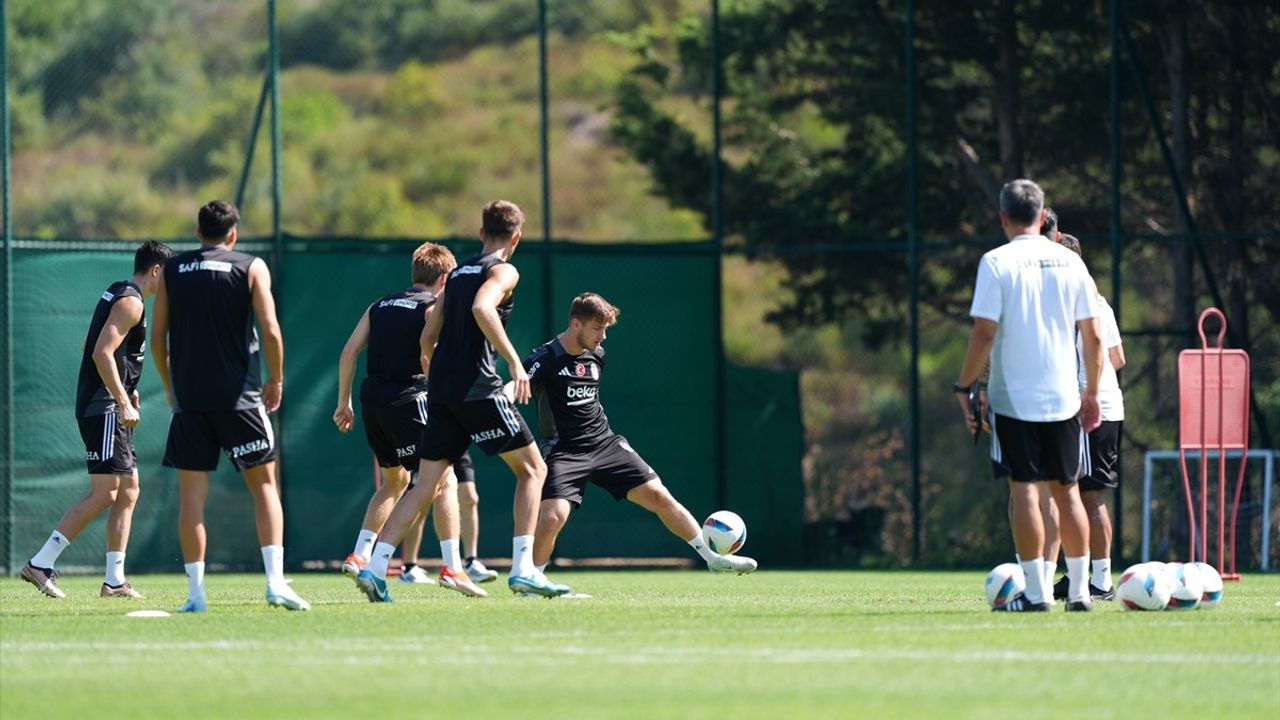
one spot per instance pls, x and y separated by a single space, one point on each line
264 309
1116 354
502 280
344 416
981 338
430 335
160 337
1091 344
125 315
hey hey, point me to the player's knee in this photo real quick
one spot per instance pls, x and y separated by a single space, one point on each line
467 495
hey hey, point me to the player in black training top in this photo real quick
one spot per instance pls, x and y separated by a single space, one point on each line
580 446
466 404
107 409
393 405
207 354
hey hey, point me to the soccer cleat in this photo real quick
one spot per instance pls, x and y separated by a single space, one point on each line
1079 606
281 595
479 573
193 605
373 586
43 579
1020 603
536 583
731 563
1060 591
460 582
123 590
416 576
353 565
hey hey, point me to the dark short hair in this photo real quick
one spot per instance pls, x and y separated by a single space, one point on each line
430 261
500 220
216 219
149 254
1050 225
1072 243
590 306
1021 201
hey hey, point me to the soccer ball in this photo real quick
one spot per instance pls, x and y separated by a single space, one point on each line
1188 586
1211 583
724 532
1144 587
1004 583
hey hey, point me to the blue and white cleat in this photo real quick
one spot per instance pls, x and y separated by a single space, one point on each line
282 595
537 584
374 587
193 605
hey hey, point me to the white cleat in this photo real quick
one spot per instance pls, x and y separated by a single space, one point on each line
479 573
732 564
416 576
281 595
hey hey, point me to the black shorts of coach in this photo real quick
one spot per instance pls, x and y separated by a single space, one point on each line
1033 451
612 465
493 423
108 445
196 438
1104 457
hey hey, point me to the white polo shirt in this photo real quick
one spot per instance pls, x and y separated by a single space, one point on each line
1035 290
1110 399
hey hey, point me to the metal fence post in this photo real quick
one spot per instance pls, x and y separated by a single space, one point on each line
717 232
6 465
274 71
252 142
544 132
913 269
1113 111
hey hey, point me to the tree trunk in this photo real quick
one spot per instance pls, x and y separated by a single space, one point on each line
1184 296
1238 159
1008 95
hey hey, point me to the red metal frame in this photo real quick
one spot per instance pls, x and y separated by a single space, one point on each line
1213 420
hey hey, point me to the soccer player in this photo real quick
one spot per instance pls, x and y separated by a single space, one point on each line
393 405
207 354
580 446
466 403
1030 296
107 411
1103 443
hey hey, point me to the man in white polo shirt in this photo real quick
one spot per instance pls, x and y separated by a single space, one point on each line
1031 296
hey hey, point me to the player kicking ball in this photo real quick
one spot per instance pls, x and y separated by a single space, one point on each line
580 447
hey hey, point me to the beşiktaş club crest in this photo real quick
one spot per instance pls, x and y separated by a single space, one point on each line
579 369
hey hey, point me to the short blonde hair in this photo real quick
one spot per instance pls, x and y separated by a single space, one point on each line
430 261
590 306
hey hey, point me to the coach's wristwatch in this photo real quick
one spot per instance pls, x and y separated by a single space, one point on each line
959 389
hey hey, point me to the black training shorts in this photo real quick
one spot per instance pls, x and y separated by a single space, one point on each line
108 445
196 437
1104 457
464 469
613 466
1034 451
393 431
492 423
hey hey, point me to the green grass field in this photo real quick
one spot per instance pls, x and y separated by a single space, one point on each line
646 645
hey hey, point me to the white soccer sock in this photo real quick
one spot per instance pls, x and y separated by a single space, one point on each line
115 569
380 559
195 579
273 563
542 568
1050 569
704 552
53 547
364 544
451 555
521 555
1077 588
1034 570
1102 574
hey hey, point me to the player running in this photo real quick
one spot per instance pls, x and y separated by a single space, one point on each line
393 405
580 446
466 404
107 411
204 310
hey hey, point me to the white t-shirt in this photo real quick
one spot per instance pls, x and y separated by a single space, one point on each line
1109 397
1035 290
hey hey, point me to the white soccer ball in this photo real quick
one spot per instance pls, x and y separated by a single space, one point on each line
724 532
1211 585
1144 587
1004 583
1188 586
